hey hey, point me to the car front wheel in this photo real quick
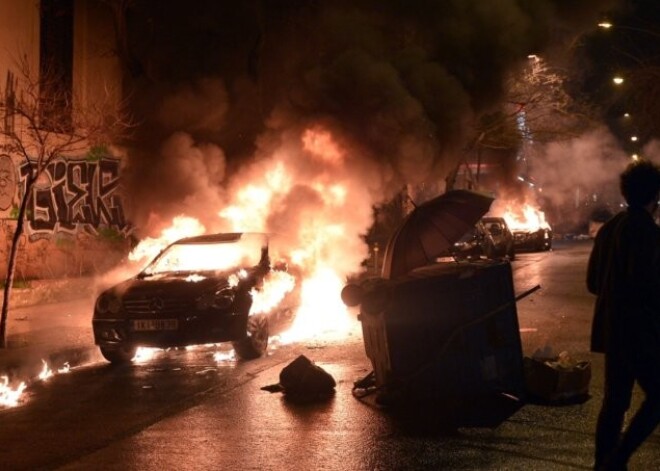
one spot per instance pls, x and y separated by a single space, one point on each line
255 342
120 354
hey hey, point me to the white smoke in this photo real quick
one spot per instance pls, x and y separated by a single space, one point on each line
587 164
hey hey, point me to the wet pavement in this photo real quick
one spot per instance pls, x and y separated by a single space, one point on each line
241 426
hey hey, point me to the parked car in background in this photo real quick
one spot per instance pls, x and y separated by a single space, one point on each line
502 238
533 240
198 290
490 238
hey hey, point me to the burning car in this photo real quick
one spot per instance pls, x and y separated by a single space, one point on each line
490 238
531 231
198 290
533 240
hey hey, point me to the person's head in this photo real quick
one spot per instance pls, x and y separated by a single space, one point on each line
640 183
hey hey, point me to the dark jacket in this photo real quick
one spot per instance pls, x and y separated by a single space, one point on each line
624 274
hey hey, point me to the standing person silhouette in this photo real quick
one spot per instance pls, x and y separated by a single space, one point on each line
624 274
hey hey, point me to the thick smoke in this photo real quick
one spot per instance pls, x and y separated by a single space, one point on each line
589 164
398 84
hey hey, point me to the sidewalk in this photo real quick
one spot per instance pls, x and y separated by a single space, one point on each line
48 321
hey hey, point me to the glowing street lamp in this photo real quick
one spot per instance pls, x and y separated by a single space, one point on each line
635 157
608 25
633 138
617 80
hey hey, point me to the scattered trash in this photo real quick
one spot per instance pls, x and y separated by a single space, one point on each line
304 381
557 378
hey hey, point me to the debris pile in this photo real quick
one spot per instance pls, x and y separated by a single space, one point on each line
304 381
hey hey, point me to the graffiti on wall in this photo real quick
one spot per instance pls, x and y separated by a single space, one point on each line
75 194
7 182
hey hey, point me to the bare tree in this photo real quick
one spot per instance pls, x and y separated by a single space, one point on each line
43 121
536 108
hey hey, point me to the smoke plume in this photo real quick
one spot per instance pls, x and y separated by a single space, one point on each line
227 90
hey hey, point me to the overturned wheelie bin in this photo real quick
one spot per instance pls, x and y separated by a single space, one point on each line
441 334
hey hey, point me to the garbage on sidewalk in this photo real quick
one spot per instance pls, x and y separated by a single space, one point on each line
557 378
304 381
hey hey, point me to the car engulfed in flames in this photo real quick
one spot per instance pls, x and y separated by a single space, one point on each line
533 240
531 231
198 290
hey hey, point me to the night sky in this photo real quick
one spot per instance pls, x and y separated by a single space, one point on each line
630 48
399 82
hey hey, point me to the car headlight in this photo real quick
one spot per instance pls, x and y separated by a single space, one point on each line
221 299
108 303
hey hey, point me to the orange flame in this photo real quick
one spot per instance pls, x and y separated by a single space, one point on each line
523 217
145 354
46 372
10 397
276 286
224 356
305 191
181 226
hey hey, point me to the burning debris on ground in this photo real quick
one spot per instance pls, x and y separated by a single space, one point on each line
12 393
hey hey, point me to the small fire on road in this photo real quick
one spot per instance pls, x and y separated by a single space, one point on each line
12 395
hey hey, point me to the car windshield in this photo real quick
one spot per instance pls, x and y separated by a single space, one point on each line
244 252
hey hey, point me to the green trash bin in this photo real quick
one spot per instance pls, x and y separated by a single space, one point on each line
446 333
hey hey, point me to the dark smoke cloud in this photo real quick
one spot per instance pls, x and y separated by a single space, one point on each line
399 82
185 180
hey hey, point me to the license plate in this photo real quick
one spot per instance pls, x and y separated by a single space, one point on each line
155 324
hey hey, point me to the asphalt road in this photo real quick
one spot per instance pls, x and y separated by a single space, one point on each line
186 410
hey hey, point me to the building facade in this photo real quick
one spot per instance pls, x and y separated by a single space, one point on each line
75 221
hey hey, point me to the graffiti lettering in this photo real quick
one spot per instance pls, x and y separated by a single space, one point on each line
74 194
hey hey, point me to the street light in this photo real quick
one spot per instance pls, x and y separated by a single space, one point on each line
617 80
633 138
608 25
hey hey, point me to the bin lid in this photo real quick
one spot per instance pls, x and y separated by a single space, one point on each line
431 229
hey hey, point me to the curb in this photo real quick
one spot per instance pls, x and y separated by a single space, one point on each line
25 364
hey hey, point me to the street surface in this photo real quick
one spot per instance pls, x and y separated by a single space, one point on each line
187 410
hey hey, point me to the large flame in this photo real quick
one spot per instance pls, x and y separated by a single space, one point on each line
180 227
276 286
305 193
522 217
